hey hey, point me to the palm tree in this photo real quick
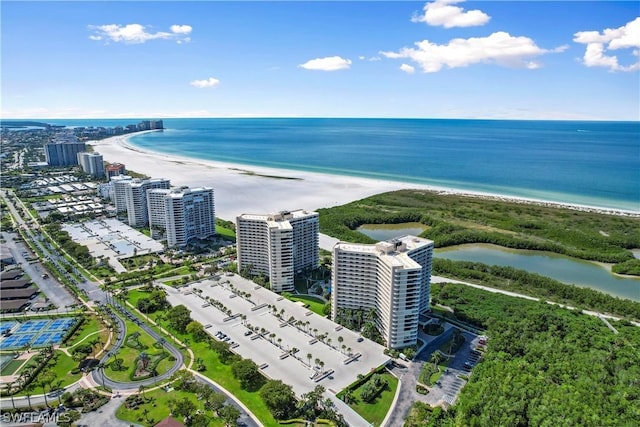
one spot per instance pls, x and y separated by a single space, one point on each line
309 356
317 361
28 390
9 387
43 383
141 390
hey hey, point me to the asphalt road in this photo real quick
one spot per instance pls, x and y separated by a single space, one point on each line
408 375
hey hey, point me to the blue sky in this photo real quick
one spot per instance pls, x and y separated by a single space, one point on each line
440 59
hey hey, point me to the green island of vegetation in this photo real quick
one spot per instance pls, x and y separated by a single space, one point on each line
458 219
544 364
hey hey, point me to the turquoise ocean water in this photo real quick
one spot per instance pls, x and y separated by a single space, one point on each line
589 163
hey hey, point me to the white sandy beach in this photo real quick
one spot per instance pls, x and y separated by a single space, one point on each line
242 189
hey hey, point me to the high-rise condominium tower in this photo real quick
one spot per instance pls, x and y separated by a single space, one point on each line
391 277
135 192
278 245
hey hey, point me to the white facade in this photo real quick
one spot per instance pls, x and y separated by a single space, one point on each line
91 163
118 195
189 214
136 199
391 277
278 245
157 215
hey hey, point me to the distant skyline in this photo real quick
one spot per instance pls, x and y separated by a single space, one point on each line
544 60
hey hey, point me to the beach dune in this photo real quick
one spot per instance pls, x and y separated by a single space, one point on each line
240 189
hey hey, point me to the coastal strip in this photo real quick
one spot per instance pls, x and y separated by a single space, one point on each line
242 189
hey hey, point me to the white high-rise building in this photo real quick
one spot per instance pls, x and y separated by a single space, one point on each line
189 213
157 214
136 199
278 245
118 195
392 277
91 163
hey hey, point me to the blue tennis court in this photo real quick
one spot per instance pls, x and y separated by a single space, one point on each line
60 324
7 326
48 338
17 341
32 326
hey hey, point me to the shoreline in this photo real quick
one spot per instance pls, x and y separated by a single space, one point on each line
240 189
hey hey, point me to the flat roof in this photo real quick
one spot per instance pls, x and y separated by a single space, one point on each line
13 304
11 274
18 293
14 284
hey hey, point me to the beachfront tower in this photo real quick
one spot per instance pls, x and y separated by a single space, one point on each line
136 199
63 153
278 245
189 214
120 183
392 277
92 164
157 214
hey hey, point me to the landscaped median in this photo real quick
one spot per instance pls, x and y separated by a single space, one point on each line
315 304
138 358
372 395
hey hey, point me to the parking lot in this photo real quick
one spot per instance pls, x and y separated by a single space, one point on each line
271 349
449 385
112 239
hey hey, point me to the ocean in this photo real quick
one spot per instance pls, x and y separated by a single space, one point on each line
578 162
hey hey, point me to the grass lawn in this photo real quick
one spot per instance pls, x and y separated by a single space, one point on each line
136 294
11 367
61 365
157 405
62 368
226 233
90 326
129 354
375 411
315 304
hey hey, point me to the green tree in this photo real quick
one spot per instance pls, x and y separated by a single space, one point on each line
182 407
229 415
215 402
279 398
197 331
179 318
247 372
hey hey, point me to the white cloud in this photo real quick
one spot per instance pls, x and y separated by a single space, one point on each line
206 83
181 29
499 48
330 63
137 33
442 13
408 68
598 45
361 58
